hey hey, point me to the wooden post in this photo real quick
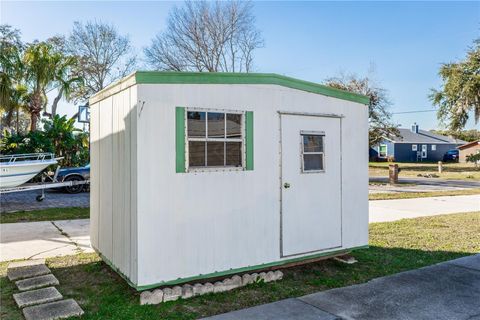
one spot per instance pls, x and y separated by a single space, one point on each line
393 173
440 168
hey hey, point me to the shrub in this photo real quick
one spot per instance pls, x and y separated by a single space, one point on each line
475 158
58 136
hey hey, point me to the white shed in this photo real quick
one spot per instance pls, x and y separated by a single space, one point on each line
199 175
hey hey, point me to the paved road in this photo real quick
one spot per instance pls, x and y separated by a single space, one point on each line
449 290
19 201
391 210
433 182
44 239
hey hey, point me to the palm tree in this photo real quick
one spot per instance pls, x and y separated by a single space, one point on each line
12 92
64 79
17 101
38 60
47 68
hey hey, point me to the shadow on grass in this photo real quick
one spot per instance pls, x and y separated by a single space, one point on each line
103 294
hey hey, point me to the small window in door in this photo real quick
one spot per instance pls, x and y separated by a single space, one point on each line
313 152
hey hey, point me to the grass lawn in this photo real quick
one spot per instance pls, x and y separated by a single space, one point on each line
410 195
452 171
45 215
394 247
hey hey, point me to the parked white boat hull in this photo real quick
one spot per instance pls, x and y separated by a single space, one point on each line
16 174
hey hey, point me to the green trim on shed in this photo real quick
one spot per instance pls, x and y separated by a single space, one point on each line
249 140
180 139
153 77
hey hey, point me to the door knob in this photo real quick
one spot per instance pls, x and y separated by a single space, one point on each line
286 185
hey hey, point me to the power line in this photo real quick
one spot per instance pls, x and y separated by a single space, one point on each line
416 111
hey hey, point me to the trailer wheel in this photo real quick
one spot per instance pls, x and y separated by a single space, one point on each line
40 198
75 188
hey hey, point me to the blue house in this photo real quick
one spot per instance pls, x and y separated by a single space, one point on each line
415 145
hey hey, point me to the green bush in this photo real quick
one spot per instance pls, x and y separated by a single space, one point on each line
58 136
475 158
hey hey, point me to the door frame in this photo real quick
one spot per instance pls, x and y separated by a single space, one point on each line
308 114
422 151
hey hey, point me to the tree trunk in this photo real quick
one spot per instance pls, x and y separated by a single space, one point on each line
55 103
33 121
35 109
9 117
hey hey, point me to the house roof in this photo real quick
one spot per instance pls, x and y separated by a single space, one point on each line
468 145
168 77
423 136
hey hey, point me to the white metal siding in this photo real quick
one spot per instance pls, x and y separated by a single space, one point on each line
198 223
113 204
106 164
94 173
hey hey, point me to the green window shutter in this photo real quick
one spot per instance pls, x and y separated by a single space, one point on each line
249 139
180 139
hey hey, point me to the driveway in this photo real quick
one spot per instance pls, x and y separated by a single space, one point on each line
30 240
449 290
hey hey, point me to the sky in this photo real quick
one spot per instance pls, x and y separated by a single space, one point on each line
401 45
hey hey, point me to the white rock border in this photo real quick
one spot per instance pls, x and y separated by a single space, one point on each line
191 290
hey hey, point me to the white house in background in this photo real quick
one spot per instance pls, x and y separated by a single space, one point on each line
199 175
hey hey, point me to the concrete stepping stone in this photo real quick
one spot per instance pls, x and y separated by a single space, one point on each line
53 310
37 282
25 263
30 298
27 271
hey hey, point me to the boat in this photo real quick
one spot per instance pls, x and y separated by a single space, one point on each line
17 169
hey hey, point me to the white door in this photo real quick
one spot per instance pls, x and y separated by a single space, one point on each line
424 151
311 218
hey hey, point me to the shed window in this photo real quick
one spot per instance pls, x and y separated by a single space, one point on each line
434 147
215 139
414 147
313 152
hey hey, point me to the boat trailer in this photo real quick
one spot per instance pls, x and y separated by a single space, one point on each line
48 182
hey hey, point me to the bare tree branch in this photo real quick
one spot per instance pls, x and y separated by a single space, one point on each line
105 55
207 36
379 118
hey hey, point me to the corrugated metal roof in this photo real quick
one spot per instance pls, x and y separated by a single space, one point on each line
423 136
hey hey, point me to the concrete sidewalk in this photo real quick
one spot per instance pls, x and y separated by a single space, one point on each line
30 240
449 290
391 210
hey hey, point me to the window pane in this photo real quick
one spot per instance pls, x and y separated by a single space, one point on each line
216 125
196 124
234 154
312 162
196 153
215 154
234 125
312 143
383 150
